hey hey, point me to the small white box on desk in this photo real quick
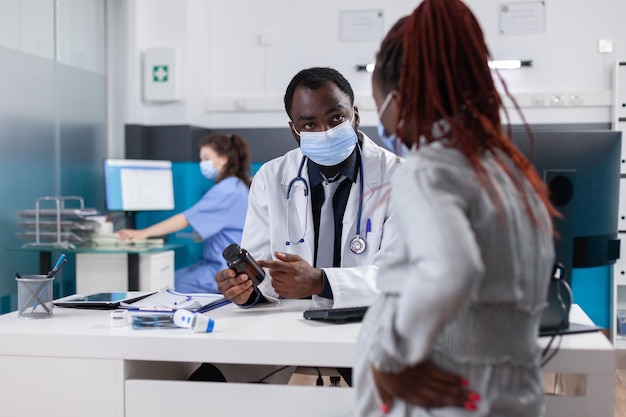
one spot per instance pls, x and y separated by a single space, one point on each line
103 272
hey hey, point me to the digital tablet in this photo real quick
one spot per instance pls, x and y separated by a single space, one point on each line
101 300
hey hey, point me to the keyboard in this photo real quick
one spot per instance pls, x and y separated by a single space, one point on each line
338 315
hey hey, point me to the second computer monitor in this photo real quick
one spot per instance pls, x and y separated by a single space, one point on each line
582 172
138 185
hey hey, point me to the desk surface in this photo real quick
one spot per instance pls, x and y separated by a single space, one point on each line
262 335
283 336
101 249
123 370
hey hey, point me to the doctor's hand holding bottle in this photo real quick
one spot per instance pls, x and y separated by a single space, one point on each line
292 277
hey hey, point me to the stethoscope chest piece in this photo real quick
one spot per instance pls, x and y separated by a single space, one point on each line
358 245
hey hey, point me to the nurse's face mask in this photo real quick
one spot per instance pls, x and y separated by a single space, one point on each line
208 169
330 147
391 141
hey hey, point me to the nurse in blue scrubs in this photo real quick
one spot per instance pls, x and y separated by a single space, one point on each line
217 218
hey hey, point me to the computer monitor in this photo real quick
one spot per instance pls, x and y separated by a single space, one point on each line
582 172
138 185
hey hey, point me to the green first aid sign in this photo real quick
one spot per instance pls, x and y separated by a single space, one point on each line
160 73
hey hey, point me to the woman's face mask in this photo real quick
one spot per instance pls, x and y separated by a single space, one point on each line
392 142
330 147
208 169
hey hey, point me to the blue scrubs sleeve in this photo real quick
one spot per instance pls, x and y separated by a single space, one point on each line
223 207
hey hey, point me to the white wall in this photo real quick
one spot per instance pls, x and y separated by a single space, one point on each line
28 26
160 24
224 64
565 58
227 71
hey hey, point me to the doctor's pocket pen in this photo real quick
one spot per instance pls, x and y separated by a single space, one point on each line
242 262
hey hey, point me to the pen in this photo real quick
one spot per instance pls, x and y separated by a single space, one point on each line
187 298
60 262
163 309
213 306
57 266
368 227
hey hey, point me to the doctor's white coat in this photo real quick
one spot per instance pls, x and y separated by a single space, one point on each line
272 220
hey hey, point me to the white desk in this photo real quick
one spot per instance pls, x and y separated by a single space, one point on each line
590 355
74 364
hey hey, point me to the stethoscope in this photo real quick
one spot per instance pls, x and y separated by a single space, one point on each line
357 244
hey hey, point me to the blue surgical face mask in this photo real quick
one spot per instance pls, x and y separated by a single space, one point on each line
208 169
387 139
331 147
391 142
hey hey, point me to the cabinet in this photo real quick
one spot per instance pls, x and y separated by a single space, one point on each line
102 272
619 271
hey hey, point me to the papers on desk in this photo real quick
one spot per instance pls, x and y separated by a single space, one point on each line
170 301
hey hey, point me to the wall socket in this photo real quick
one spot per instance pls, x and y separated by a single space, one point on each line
557 100
266 39
576 100
605 46
538 100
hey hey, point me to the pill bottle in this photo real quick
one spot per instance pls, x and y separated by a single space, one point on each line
242 262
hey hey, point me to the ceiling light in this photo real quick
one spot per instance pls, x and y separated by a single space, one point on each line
509 64
367 67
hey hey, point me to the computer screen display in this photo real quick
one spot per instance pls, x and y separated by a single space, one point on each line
582 172
138 185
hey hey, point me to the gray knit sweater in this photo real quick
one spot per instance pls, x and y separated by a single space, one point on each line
465 289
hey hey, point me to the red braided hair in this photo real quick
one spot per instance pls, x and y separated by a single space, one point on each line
437 60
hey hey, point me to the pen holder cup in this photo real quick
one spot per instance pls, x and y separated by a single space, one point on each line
34 297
